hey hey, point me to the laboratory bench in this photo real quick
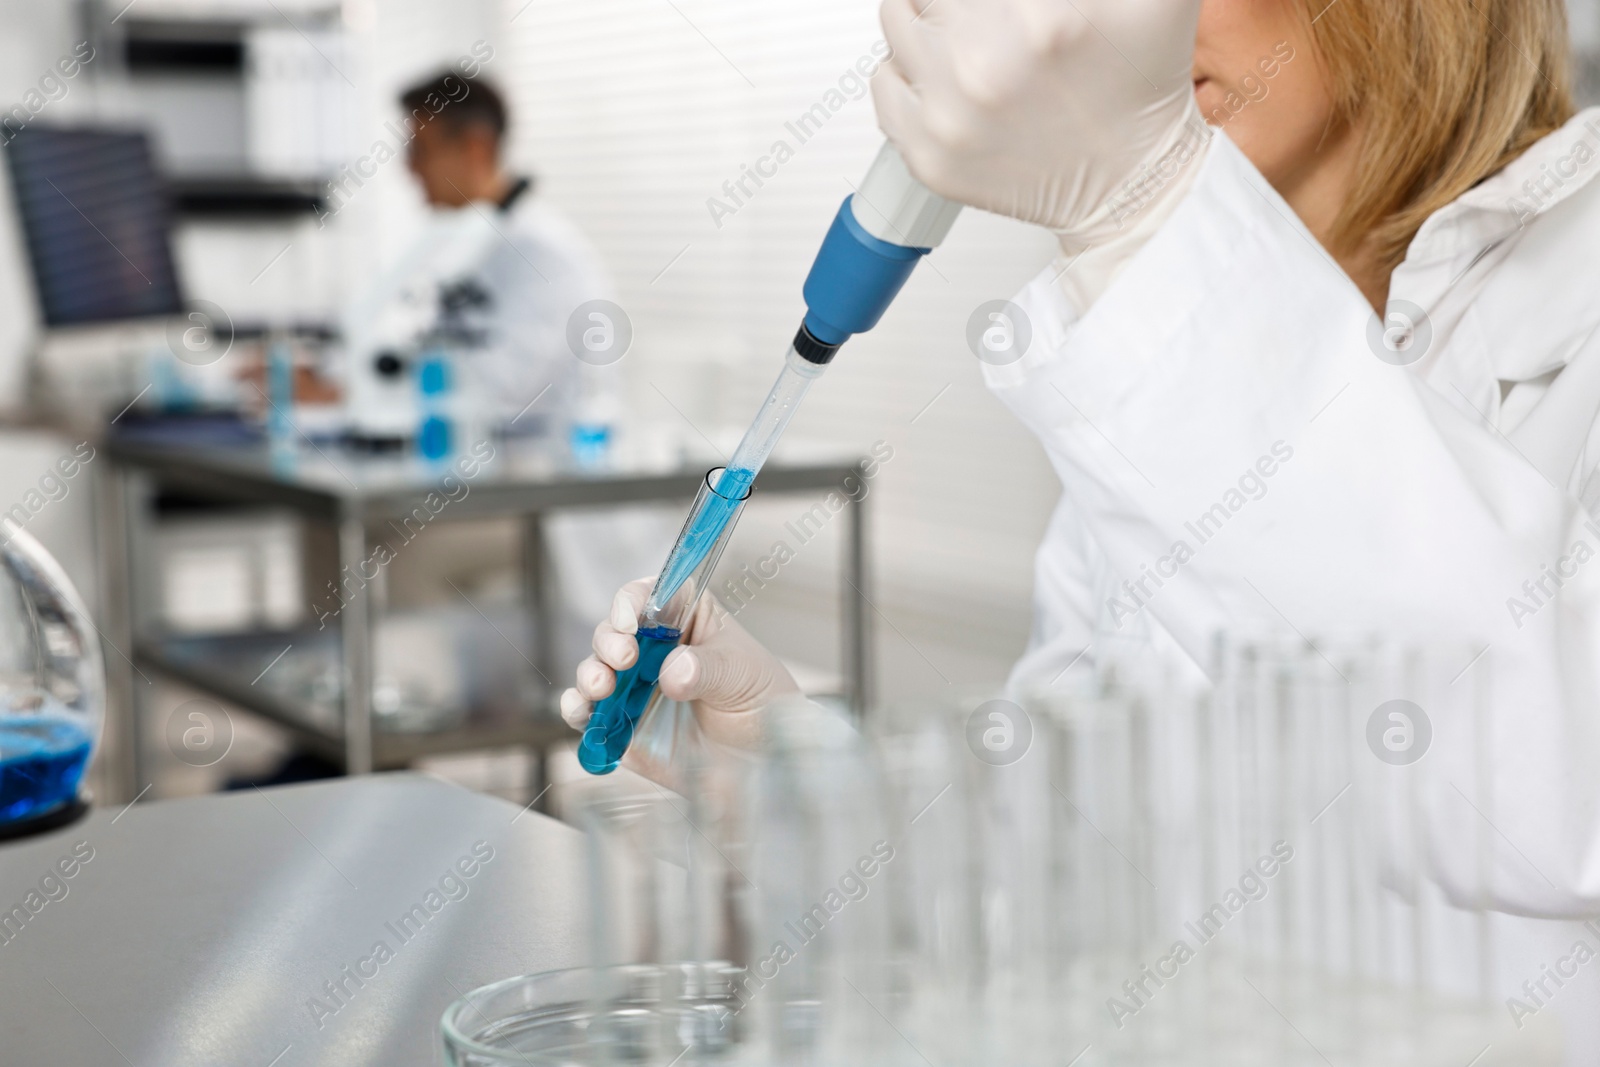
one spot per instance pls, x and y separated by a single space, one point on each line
245 928
364 502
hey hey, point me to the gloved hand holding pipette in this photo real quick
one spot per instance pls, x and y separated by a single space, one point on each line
1040 110
1077 116
726 675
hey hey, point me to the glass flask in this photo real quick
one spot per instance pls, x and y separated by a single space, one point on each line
52 690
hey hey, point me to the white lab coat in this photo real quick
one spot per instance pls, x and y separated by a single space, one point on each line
535 267
1417 501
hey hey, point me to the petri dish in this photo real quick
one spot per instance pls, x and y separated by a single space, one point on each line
612 1015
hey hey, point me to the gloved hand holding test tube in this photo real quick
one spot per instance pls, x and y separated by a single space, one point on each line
876 239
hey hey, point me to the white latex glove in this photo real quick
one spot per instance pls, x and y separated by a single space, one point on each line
1071 114
726 675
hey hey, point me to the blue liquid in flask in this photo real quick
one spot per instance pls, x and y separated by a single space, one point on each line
42 758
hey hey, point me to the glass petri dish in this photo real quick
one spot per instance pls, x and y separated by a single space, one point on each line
587 1016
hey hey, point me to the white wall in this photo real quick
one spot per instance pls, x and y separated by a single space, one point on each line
33 35
62 508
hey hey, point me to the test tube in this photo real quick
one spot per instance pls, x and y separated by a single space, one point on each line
822 870
667 927
705 534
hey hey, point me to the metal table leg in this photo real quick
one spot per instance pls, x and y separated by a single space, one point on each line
539 598
121 763
355 640
854 603
146 603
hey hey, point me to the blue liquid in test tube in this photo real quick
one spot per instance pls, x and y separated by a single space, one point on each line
611 727
609 734
701 537
613 720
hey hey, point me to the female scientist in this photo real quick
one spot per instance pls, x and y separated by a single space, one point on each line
1207 357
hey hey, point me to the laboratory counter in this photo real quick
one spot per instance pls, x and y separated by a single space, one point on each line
329 923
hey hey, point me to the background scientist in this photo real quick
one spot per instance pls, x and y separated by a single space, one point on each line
498 274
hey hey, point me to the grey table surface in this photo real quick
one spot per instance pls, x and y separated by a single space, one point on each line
205 931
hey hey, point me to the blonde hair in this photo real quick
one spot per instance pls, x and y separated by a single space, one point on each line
1446 92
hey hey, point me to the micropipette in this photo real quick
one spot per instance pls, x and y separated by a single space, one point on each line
878 236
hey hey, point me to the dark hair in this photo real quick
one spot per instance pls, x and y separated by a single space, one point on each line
465 104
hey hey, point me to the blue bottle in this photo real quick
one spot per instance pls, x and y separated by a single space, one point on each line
437 431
